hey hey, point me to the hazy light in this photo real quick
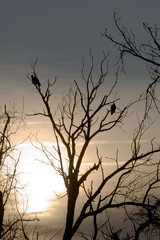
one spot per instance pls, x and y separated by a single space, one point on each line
42 182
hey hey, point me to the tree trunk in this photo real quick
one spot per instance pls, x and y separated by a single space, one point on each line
73 192
1 212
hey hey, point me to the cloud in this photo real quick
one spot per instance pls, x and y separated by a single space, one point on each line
37 122
99 142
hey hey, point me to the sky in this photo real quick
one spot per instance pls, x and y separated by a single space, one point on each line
60 33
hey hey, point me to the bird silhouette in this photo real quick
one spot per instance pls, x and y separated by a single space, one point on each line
35 80
113 108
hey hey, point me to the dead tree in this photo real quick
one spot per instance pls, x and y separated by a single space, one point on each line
11 121
80 118
148 53
147 215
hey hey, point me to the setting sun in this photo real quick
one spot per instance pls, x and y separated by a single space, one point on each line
42 183
79 120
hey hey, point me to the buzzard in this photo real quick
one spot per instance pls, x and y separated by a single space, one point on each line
35 80
113 108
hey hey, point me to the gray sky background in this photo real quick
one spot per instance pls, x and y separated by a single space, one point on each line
60 33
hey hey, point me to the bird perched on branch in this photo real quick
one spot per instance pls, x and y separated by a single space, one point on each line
113 108
35 80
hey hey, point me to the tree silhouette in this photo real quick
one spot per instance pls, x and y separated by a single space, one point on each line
10 123
13 221
145 219
80 118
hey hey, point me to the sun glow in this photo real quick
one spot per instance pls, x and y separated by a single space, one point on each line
42 183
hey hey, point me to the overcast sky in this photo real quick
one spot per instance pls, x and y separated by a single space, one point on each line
60 33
